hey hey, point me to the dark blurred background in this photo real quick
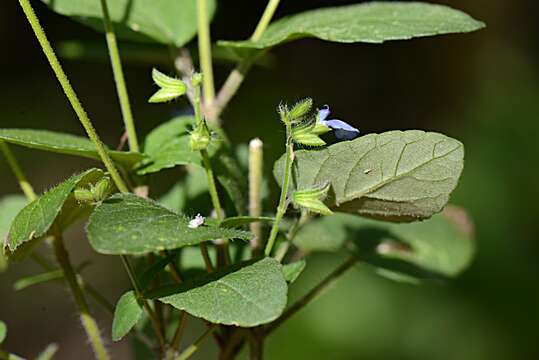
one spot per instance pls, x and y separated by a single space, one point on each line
481 88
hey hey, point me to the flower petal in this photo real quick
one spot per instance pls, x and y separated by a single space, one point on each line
343 131
323 113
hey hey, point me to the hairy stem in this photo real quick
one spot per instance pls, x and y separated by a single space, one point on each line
187 353
88 322
119 78
70 93
313 294
283 204
25 186
204 49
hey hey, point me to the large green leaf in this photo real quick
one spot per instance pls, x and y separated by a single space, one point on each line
395 176
128 224
35 220
244 295
64 144
440 246
170 22
10 206
127 314
374 22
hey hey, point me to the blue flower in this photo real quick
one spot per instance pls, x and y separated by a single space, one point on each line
342 130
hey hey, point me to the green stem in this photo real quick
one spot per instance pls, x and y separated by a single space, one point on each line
176 340
283 204
149 310
26 188
204 49
265 19
88 322
313 294
212 185
70 93
119 78
187 353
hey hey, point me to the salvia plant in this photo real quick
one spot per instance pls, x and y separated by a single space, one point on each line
376 199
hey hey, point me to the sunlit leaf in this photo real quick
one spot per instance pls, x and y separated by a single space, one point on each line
128 224
395 176
374 22
243 295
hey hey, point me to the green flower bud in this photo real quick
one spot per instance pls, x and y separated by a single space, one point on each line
200 137
196 79
311 200
83 196
304 134
170 88
301 109
101 190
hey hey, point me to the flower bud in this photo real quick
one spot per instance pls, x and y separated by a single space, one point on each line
170 88
301 109
101 189
311 200
304 134
83 196
200 137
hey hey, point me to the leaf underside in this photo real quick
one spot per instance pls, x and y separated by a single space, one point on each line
374 22
396 176
169 22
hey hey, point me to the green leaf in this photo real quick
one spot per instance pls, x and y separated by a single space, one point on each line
28 281
432 248
167 146
56 205
3 331
293 270
127 314
170 22
10 206
185 192
48 353
374 22
65 144
127 224
238 221
244 295
394 176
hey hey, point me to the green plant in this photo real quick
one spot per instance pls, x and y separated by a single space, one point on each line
233 268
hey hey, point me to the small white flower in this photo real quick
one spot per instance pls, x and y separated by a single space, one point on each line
196 222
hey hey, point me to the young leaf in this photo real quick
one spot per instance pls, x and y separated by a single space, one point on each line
247 295
394 176
35 220
170 22
374 22
128 224
293 270
9 208
65 144
431 248
3 331
127 314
